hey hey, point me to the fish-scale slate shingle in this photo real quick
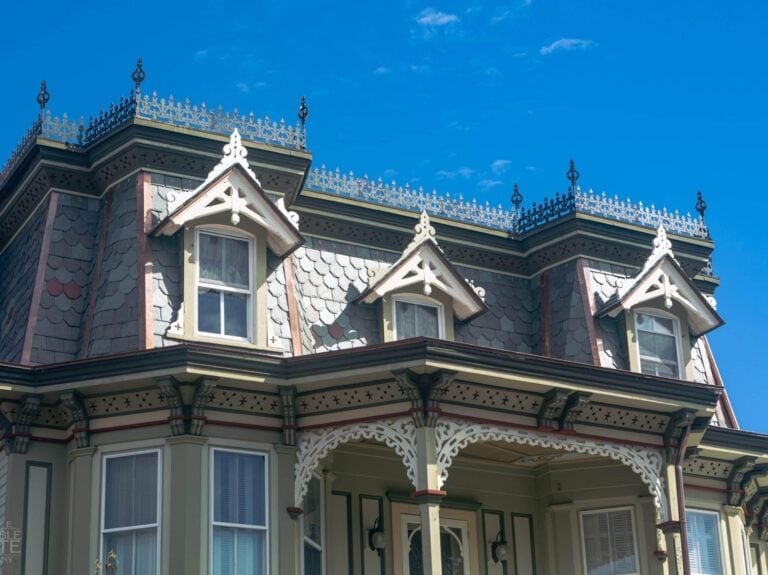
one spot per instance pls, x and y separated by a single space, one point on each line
167 281
64 297
698 362
603 279
115 326
18 266
168 193
568 327
507 323
279 326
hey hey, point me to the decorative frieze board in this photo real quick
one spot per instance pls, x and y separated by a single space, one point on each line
349 397
707 467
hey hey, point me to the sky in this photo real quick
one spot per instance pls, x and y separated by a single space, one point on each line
654 100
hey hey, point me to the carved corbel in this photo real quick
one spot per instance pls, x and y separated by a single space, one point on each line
673 435
424 390
735 489
74 404
551 409
169 391
288 408
27 411
573 409
200 399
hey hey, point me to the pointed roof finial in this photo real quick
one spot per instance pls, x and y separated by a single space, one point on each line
573 175
43 96
138 75
701 205
303 111
517 197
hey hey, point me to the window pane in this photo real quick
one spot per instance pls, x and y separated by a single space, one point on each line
236 314
313 560
136 551
239 484
415 320
236 262
122 544
239 551
609 543
703 543
208 310
130 491
211 260
312 512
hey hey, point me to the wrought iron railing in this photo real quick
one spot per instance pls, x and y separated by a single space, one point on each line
515 220
78 134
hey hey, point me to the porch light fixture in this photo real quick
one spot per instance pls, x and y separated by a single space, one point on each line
376 540
499 551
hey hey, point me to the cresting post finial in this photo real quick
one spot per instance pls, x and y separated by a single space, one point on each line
43 96
701 205
138 75
517 197
303 111
573 175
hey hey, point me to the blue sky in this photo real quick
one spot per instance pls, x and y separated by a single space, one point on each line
654 100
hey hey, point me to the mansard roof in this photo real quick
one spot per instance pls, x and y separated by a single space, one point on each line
662 278
424 264
232 187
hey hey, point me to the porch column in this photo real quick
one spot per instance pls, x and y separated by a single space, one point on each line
428 496
735 520
672 527
80 553
290 548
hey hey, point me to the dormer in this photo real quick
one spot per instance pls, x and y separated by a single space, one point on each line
662 310
422 292
228 225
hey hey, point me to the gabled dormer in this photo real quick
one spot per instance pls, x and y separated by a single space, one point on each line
228 224
662 309
422 291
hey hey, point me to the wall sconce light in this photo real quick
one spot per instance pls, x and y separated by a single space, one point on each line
376 539
499 550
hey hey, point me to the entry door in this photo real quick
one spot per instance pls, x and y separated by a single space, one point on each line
454 546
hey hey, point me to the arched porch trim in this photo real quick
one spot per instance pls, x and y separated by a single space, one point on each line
314 445
454 435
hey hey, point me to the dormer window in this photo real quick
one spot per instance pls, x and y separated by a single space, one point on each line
224 292
418 318
658 342
422 291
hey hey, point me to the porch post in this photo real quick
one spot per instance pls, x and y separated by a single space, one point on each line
672 527
735 519
428 496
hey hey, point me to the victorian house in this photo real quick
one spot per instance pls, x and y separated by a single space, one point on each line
216 358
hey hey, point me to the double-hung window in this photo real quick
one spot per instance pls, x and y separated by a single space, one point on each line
417 318
608 538
658 345
224 285
704 542
239 513
130 511
313 528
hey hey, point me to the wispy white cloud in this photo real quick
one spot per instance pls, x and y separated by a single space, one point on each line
531 168
488 184
500 166
246 88
465 172
500 17
445 175
382 71
566 44
431 18
243 87
493 72
420 68
201 54
389 173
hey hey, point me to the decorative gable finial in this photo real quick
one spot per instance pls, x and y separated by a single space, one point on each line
424 231
234 153
661 244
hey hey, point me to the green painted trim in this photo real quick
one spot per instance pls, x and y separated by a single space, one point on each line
351 560
486 541
46 529
363 540
531 535
460 503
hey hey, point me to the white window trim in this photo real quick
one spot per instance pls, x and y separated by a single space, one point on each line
609 510
418 299
681 374
721 530
223 231
304 538
156 525
211 496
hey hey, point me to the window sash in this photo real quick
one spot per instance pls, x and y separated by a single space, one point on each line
704 549
401 328
610 542
656 363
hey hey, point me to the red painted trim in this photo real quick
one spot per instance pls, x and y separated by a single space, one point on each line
37 290
587 304
429 492
569 433
706 488
356 420
144 259
546 314
96 275
243 425
293 306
